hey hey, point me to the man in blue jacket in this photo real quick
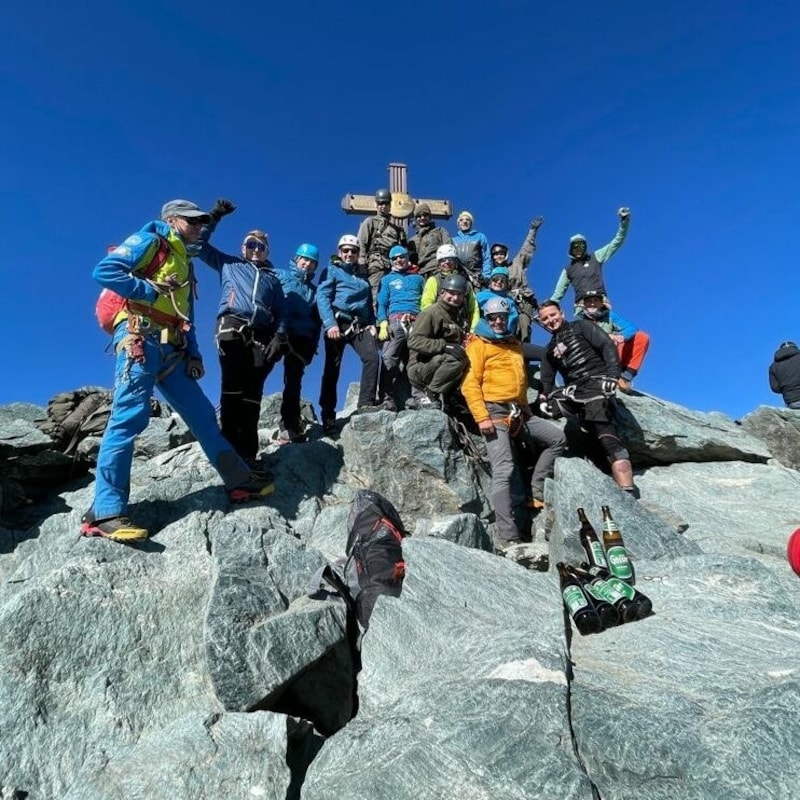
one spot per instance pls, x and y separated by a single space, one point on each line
398 306
344 301
472 248
155 343
302 326
250 335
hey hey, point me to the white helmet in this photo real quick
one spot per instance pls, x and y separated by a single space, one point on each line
495 305
445 251
348 240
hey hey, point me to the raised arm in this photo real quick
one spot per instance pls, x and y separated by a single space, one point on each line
604 253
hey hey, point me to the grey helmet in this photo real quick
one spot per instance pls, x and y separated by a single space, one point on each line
454 283
383 195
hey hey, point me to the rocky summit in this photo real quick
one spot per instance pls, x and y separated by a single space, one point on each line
196 665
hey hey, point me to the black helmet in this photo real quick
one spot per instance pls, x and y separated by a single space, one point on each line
592 293
383 196
454 283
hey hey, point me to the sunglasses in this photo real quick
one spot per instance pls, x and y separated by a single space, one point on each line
351 250
252 244
194 221
499 317
398 258
498 279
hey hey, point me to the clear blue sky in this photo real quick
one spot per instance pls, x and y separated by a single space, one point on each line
687 112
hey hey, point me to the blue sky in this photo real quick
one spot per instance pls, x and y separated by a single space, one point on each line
686 112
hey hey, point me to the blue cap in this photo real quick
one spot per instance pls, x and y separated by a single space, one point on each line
398 250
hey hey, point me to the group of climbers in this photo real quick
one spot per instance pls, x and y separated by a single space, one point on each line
436 317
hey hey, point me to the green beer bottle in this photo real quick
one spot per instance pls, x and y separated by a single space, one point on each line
591 544
642 604
601 580
619 562
597 593
577 604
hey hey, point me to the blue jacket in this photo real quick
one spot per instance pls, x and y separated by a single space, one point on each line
116 272
513 314
343 290
249 292
302 317
399 293
478 242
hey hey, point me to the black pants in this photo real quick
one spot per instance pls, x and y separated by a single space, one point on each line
294 367
365 346
244 370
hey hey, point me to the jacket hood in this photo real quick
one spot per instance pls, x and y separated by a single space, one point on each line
483 330
785 351
159 227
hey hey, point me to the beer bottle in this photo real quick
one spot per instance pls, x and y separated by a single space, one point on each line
598 597
591 544
577 604
617 558
641 602
620 600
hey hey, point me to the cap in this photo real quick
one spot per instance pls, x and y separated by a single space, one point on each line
182 208
793 551
398 250
422 208
499 272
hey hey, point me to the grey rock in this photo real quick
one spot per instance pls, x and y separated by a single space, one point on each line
658 432
779 429
26 412
463 529
196 757
463 684
412 458
734 508
579 485
19 437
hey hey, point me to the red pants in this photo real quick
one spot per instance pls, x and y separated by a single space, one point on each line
632 353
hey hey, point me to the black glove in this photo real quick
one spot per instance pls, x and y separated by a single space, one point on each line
221 209
195 369
537 223
456 351
608 386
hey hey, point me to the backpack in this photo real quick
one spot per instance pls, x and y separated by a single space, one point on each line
109 304
72 416
374 564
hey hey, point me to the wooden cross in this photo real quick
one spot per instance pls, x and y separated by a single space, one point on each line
402 203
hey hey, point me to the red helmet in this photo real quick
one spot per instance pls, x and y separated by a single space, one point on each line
793 551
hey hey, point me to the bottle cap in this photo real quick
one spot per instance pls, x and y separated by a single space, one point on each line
793 551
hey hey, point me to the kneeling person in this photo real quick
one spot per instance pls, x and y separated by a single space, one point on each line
495 387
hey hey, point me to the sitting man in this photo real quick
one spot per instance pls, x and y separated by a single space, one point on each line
632 344
784 374
437 360
495 388
587 360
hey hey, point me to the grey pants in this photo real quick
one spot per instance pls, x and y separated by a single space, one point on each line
395 356
501 459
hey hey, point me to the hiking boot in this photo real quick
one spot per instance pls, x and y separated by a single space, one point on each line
368 409
119 529
293 435
624 385
260 485
258 468
633 491
411 404
329 427
389 405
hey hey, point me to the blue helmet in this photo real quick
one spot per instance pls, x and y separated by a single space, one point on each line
398 250
307 250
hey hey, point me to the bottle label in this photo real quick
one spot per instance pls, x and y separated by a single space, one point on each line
611 592
574 599
598 555
623 588
619 563
597 591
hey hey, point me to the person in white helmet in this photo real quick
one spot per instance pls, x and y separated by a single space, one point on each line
344 301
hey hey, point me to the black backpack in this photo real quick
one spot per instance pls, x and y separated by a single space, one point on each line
374 564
